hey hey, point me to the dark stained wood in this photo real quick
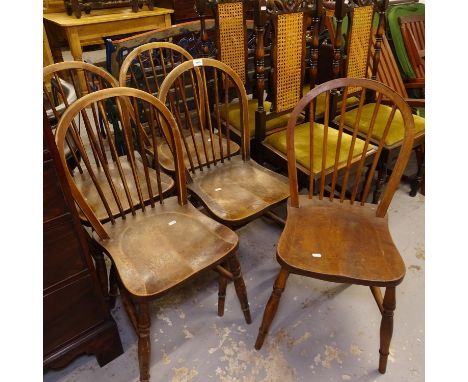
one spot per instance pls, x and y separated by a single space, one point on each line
144 241
77 6
234 189
365 253
76 319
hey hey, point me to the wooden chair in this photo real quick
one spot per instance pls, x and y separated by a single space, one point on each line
412 29
145 68
186 35
235 46
394 139
144 240
339 239
233 188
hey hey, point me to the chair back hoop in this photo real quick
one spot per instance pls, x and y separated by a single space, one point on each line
231 35
209 102
64 82
153 61
350 153
121 183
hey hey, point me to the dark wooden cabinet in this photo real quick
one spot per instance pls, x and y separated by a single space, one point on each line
76 317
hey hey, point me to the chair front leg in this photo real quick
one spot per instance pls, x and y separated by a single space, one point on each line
271 307
239 285
222 281
144 343
386 327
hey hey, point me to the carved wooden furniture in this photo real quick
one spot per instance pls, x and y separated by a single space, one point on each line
158 242
76 318
233 188
145 68
338 238
93 28
289 21
77 6
186 35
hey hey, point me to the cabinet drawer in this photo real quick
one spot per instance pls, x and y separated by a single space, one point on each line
63 254
70 311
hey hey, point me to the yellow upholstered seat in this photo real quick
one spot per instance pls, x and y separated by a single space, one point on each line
302 146
397 129
234 117
320 106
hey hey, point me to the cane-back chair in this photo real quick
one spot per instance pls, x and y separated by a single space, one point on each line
394 138
232 187
145 68
336 236
235 46
155 242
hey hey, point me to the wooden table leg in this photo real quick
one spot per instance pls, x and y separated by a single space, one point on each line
77 52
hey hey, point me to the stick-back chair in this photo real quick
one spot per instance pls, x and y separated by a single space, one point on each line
412 30
145 68
337 238
158 242
232 187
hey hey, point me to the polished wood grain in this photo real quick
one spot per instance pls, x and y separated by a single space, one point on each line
332 233
233 188
143 241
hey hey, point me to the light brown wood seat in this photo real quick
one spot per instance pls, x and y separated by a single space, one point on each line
155 242
332 233
86 186
238 191
234 188
165 246
371 257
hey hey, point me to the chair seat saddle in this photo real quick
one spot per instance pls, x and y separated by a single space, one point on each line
149 254
201 142
87 188
343 242
236 190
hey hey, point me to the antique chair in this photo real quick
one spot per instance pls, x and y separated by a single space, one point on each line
145 68
412 30
144 239
186 35
233 188
336 236
394 139
235 46
394 13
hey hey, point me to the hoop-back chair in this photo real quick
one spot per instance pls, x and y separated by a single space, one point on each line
233 188
145 68
158 242
336 236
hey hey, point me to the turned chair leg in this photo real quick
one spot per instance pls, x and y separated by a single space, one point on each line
144 343
271 307
222 281
381 175
418 180
386 327
239 285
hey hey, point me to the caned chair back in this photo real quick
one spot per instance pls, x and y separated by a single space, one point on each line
146 66
197 107
348 162
109 183
65 82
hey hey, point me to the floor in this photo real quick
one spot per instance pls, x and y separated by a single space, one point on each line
322 331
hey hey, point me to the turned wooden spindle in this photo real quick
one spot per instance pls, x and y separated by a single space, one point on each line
239 285
386 327
144 343
259 21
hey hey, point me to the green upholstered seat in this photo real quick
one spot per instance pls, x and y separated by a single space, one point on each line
234 116
302 146
320 106
414 9
396 132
